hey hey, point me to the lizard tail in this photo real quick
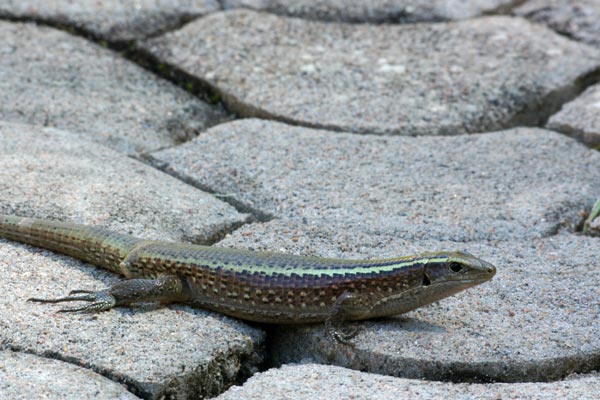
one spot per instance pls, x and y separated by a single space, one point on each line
95 245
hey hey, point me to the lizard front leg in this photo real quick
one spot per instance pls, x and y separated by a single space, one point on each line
336 324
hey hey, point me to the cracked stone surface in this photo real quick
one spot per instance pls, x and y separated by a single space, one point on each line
579 19
514 184
315 382
48 173
376 162
580 118
26 376
418 79
349 196
112 20
55 79
175 351
394 11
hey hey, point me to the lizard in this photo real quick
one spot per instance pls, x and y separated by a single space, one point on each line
264 287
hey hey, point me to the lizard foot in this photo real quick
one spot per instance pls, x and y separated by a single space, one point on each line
98 301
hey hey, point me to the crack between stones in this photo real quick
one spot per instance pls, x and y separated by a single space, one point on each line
537 113
130 386
215 236
213 95
200 382
257 215
505 8
534 114
129 51
544 371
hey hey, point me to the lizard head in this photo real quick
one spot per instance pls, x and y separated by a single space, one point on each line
456 267
438 276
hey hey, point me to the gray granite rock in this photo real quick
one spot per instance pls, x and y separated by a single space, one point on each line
506 185
155 352
55 79
535 321
349 196
26 376
579 19
376 11
580 118
113 20
49 173
418 79
323 382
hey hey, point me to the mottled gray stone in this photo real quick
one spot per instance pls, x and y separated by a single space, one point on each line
506 185
417 79
580 118
537 320
55 79
349 196
155 352
579 19
26 376
49 173
114 20
376 10
316 382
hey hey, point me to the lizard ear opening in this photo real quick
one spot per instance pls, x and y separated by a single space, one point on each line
426 280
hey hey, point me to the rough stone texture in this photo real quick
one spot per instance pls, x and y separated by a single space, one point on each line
174 351
581 117
316 382
537 320
397 11
113 20
348 196
418 79
49 173
26 376
506 185
579 19
55 79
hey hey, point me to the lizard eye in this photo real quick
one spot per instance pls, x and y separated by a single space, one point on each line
455 267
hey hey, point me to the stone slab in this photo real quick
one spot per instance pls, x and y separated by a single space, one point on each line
378 11
48 173
417 79
26 376
113 20
580 118
506 185
55 79
315 382
579 19
155 352
535 321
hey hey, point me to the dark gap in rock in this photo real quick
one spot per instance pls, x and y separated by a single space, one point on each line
242 207
128 50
